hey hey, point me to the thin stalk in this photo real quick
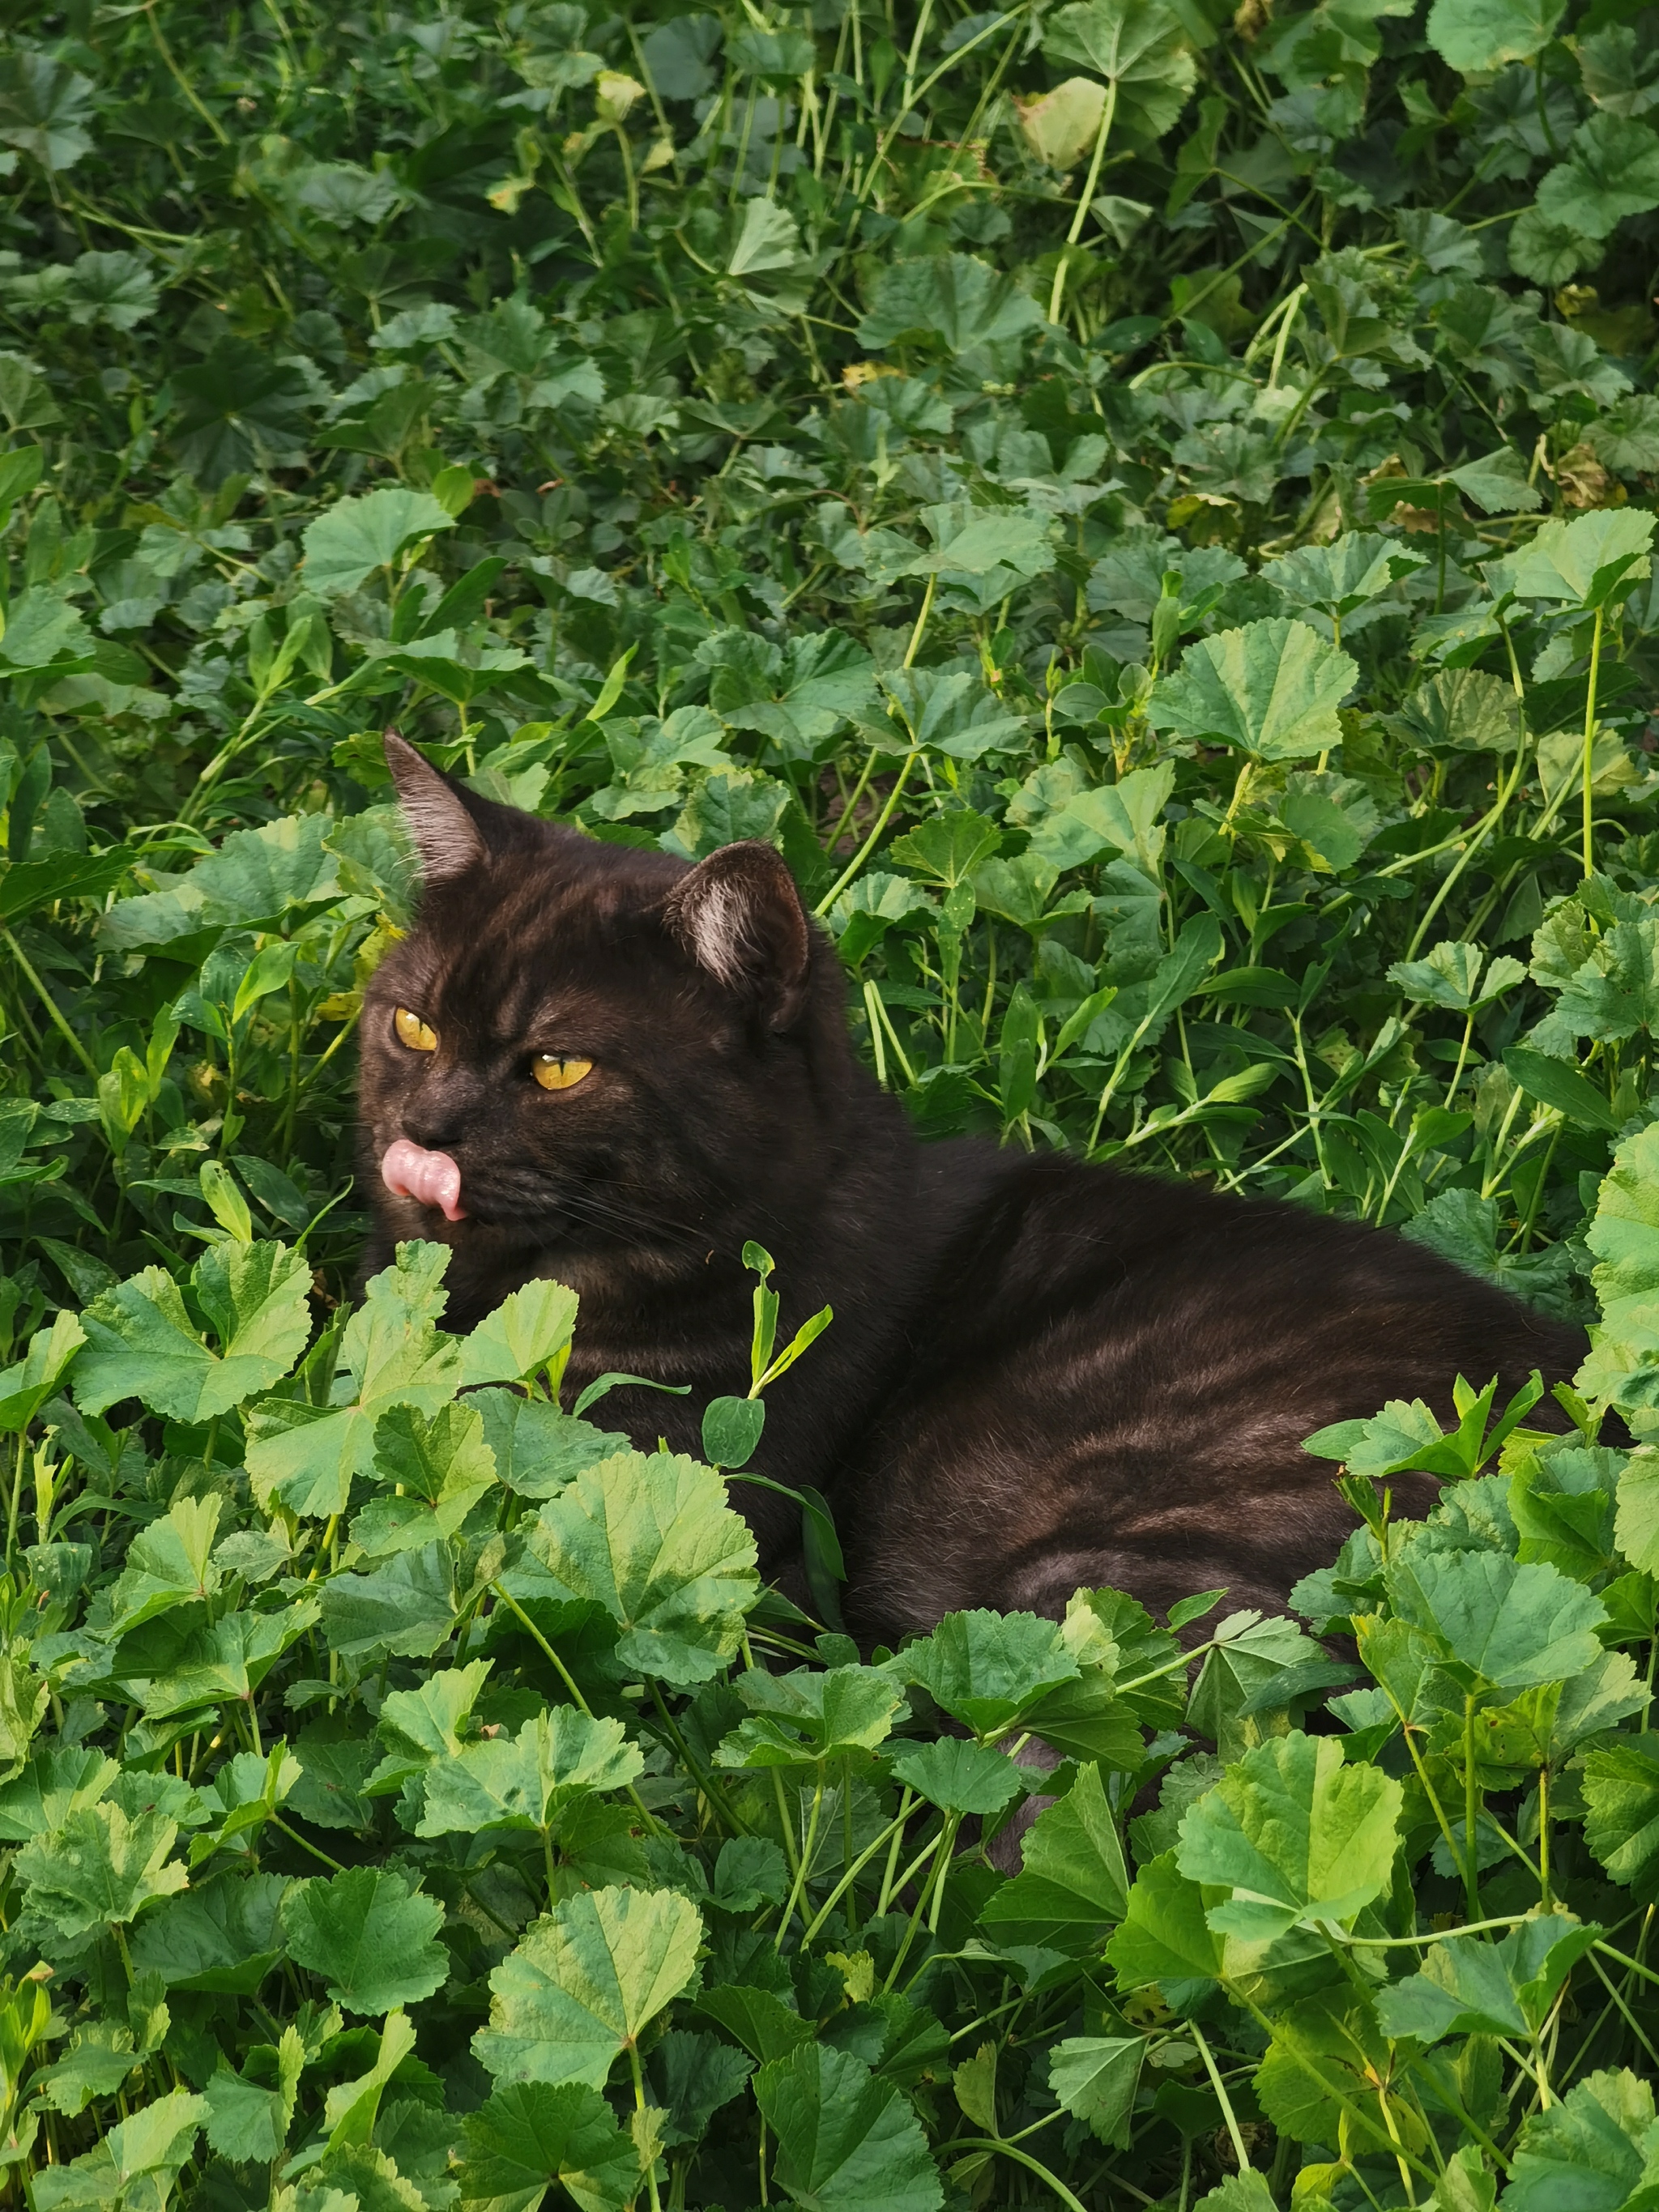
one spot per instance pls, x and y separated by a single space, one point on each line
1240 2150
1057 295
855 864
1589 743
51 1005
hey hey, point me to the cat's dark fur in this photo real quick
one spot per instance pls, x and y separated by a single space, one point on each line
1040 1375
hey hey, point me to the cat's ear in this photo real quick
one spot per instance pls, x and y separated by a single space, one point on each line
449 839
740 917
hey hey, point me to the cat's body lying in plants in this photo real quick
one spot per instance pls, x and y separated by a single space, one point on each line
594 1063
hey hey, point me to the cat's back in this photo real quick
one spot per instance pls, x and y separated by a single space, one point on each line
1113 1375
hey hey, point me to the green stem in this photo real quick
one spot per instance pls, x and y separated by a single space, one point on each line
877 832
1240 2149
1057 295
51 1005
1589 742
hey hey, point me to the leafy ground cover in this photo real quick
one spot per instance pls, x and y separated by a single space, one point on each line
1152 513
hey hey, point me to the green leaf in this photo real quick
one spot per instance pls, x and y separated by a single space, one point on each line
1166 1936
1582 560
306 1458
1296 1837
1467 1986
351 539
247 2119
1095 2078
526 1781
847 2142
1612 171
142 1343
1621 1826
405 1609
136 2163
962 1777
100 1869
1499 1622
530 1330
1073 1883
653 1542
441 1467
26 1387
1624 1360
585 1981
1270 690
986 1669
373 1941
1591 2151
533 2135
537 1448
220 1936
965 303
806 1715
168 1564
1558 1083
1478 35
1139 48
760 2020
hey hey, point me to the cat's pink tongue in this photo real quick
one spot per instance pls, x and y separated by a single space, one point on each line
408 1170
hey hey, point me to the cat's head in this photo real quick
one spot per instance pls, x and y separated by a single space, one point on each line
588 1049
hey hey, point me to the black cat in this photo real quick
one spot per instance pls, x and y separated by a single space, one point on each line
601 1065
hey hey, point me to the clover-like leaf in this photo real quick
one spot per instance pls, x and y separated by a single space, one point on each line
848 2142
142 1342
584 1982
1270 690
533 2135
1296 1835
373 1940
653 1542
348 542
1590 2150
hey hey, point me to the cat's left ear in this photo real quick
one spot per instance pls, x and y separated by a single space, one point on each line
740 917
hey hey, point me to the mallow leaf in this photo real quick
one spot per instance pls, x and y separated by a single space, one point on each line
1270 690
1468 1986
1621 1825
1612 171
1501 1623
847 2142
135 2164
100 1868
524 1781
1296 1835
653 1542
534 2135
1139 48
1590 2151
306 1458
985 1669
1476 36
1095 2078
1072 1883
962 302
373 1940
583 1983
349 541
1580 562
142 1343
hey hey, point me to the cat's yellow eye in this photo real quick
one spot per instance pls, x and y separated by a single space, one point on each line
554 1074
412 1031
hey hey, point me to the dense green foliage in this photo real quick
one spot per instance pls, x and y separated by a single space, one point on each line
1152 515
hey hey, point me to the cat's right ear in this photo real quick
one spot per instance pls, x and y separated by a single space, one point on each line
449 840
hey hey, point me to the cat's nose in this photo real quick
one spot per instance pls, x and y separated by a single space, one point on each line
436 1127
